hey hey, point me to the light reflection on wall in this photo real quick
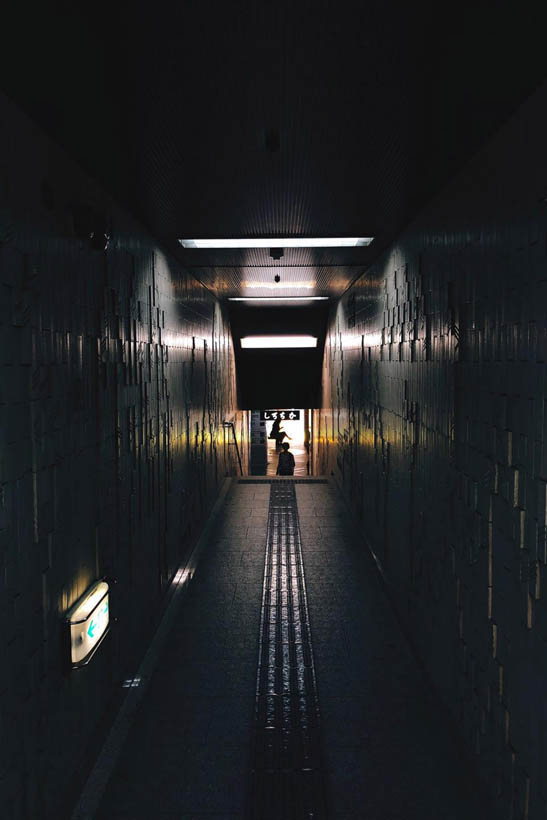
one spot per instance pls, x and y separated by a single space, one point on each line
116 455
436 434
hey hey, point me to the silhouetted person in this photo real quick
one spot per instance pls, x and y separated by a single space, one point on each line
285 465
277 433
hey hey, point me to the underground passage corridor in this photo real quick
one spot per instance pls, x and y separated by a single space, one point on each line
273 412
285 687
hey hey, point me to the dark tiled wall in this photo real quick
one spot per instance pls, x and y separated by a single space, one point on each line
117 371
435 423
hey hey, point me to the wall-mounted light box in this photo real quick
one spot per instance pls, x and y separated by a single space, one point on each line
88 620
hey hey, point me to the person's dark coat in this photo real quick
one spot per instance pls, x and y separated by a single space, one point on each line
285 465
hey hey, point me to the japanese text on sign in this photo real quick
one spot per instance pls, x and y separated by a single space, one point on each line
282 415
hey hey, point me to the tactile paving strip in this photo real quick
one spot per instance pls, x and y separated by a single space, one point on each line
287 777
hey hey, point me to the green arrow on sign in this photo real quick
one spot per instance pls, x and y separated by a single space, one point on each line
91 629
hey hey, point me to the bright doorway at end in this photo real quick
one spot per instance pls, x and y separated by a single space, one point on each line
296 432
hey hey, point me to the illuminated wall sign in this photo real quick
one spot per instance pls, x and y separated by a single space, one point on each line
88 623
283 415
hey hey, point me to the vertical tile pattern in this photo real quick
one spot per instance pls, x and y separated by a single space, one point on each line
117 372
287 778
433 421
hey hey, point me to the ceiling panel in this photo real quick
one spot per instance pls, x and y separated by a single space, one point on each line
302 271
293 118
312 280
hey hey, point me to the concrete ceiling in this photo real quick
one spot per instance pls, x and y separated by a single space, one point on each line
294 118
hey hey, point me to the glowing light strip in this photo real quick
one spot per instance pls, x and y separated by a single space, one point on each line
278 341
276 298
283 242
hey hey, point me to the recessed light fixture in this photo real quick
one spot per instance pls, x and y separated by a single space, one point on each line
277 298
283 242
278 341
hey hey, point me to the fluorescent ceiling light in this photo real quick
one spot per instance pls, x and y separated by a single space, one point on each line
277 298
283 242
278 341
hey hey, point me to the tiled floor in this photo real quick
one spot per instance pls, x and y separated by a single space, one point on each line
385 750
